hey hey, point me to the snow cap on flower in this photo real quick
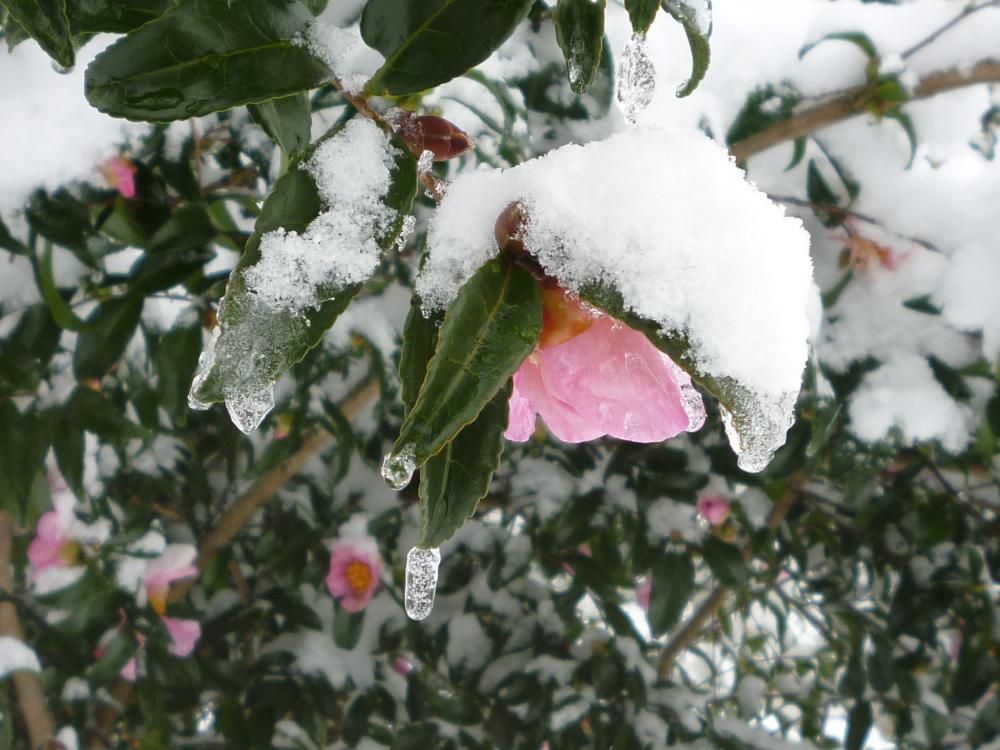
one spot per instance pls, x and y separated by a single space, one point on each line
592 376
354 572
176 563
713 508
120 174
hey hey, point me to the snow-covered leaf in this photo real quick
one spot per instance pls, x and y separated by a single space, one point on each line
580 33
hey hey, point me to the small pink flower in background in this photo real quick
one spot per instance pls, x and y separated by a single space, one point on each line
119 173
174 564
643 592
713 508
54 545
402 666
592 376
354 572
130 671
184 634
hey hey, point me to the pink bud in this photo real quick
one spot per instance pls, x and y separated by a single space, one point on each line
119 173
713 508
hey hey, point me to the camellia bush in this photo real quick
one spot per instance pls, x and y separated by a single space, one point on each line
506 374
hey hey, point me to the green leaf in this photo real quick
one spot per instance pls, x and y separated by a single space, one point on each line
673 586
420 336
109 329
922 304
487 332
906 122
277 339
175 356
950 379
46 22
287 120
695 16
203 57
64 219
428 42
859 723
580 33
725 561
454 481
798 153
347 627
641 14
24 441
62 313
117 16
9 242
859 39
763 108
26 350
189 226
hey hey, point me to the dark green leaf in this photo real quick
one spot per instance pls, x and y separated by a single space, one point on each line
95 413
62 313
725 561
859 723
189 226
347 627
175 356
202 57
118 16
287 120
64 219
881 667
24 441
641 14
922 304
763 108
859 39
155 272
419 341
11 30
488 331
906 122
798 153
8 242
45 21
416 737
27 349
673 585
824 201
697 26
428 42
109 329
950 379
454 481
580 33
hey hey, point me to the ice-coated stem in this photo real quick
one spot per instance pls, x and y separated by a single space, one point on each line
421 581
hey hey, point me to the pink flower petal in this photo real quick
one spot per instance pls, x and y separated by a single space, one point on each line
643 592
713 508
184 634
130 671
354 572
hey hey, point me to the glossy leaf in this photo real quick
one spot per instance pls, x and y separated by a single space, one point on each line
46 22
118 16
906 123
175 355
673 586
62 313
641 14
859 39
202 57
280 338
287 120
725 561
454 481
695 16
109 329
419 340
428 42
487 332
859 723
24 441
580 33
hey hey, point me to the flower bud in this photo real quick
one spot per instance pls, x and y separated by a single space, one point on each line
509 229
430 133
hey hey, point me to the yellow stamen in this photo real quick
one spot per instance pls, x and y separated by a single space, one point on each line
158 601
359 576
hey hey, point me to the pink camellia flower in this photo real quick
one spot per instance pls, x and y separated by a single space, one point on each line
55 544
402 666
713 508
592 376
354 572
184 634
120 174
175 563
643 592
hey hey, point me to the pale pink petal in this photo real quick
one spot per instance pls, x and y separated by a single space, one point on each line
521 422
130 670
643 592
713 508
120 173
43 552
176 563
184 634
361 556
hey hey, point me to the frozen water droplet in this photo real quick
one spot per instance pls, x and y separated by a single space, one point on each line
636 78
421 581
405 231
249 409
205 361
425 162
61 70
398 468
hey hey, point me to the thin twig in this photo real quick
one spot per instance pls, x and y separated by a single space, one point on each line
30 695
854 103
966 12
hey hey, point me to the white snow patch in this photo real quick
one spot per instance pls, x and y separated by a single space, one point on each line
352 61
16 656
468 645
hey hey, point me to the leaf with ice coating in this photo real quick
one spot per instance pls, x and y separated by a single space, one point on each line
487 332
695 16
303 265
580 33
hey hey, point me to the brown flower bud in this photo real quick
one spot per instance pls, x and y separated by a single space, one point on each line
509 229
430 133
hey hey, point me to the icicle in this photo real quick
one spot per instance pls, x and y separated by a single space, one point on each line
248 410
398 468
421 581
636 78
